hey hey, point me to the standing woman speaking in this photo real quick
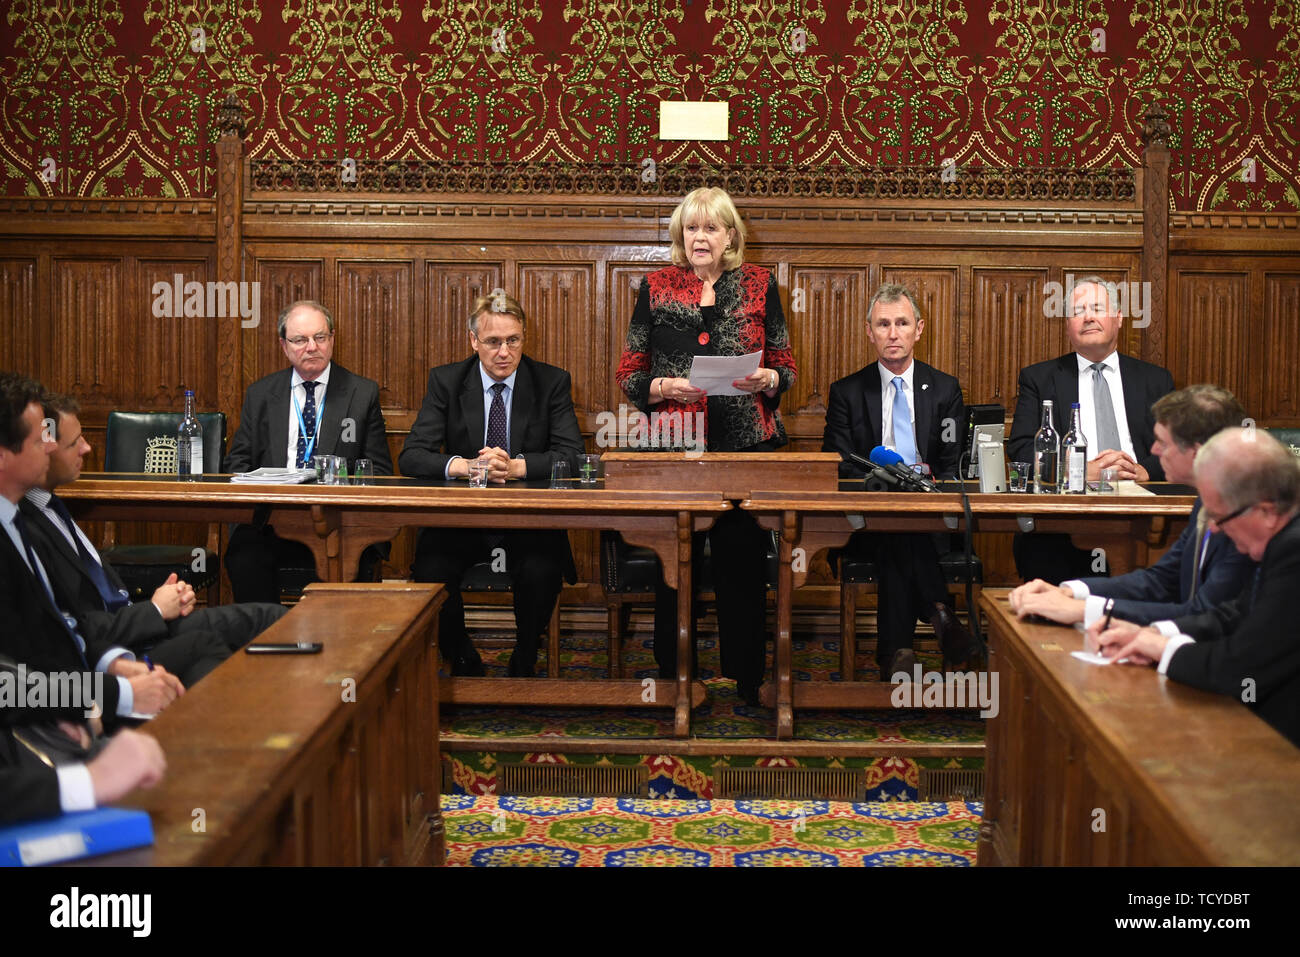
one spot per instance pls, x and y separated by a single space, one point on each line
710 303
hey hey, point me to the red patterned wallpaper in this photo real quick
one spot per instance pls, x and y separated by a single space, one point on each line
119 98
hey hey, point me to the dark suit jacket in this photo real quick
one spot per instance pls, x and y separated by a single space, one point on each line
263 436
1252 637
854 412
1058 379
1160 592
34 634
130 627
27 793
543 426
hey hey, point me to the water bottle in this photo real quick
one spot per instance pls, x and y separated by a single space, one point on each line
189 442
1075 446
1047 455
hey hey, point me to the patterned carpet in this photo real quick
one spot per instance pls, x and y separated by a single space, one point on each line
489 831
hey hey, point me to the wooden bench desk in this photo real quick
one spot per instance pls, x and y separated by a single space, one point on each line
322 759
1117 764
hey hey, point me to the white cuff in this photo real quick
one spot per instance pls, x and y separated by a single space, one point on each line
125 696
1079 588
1094 609
76 788
446 472
1173 644
1166 628
112 655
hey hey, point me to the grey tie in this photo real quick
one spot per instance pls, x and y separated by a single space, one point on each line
1107 429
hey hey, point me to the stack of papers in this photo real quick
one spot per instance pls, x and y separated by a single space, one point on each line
266 476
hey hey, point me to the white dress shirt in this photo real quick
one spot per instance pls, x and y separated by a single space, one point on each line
1088 408
507 397
887 393
296 391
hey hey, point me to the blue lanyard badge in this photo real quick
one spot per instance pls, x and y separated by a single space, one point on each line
302 428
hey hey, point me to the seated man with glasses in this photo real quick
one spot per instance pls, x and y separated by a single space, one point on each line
314 407
1245 648
514 415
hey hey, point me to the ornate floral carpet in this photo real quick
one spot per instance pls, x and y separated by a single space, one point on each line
489 831
471 733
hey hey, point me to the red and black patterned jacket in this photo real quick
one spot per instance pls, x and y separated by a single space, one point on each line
669 329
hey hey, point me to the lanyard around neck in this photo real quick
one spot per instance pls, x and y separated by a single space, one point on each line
302 426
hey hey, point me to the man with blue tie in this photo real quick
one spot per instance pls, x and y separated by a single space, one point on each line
514 415
1200 570
315 407
36 632
905 404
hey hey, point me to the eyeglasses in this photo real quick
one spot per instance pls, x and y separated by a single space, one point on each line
320 339
1237 514
513 343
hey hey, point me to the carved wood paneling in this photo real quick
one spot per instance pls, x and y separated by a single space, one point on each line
1009 332
1281 371
87 347
827 317
450 291
170 353
376 329
559 301
622 285
1221 344
17 315
936 293
283 281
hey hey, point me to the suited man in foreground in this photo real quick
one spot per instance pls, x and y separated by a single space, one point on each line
900 402
1200 570
1115 394
516 414
35 631
1247 647
189 642
315 407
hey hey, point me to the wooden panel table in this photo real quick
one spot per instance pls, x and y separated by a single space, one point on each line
1119 765
1124 525
330 758
338 522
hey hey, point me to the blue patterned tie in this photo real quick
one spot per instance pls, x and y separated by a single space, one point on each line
904 437
111 597
496 430
309 420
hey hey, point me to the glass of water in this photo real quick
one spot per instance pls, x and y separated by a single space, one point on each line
560 474
478 473
589 468
363 472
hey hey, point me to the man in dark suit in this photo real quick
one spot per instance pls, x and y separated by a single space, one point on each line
31 792
316 407
514 416
1247 647
189 642
1115 395
1202 568
900 402
35 632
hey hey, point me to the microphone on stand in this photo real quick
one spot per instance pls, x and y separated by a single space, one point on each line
878 479
892 462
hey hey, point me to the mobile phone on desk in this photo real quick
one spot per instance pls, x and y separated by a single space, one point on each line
284 648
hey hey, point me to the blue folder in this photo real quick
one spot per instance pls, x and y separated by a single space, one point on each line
71 836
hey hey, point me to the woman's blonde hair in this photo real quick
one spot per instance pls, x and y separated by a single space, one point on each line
707 204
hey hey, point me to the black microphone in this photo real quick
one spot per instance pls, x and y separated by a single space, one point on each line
878 479
892 462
